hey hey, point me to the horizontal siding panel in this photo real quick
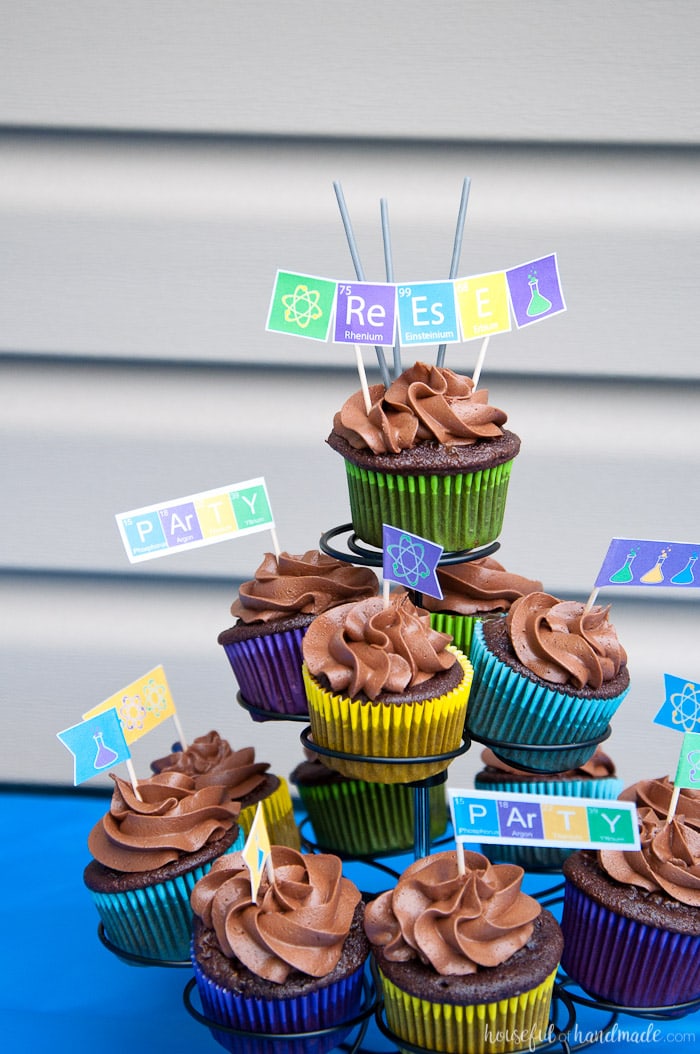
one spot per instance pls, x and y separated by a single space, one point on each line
71 644
127 248
504 71
82 442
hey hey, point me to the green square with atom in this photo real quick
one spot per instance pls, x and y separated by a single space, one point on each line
302 306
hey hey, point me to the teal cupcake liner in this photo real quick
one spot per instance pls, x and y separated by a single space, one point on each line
506 708
544 857
457 512
154 922
357 818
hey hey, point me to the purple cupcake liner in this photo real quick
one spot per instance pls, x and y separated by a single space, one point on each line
154 922
626 962
268 671
322 1008
503 702
543 857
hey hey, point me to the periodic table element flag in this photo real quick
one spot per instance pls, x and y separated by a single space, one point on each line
483 305
410 561
681 706
141 705
302 305
535 290
688 771
97 744
256 850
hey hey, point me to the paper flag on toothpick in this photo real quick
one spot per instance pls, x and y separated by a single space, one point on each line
256 851
97 744
410 560
688 771
639 562
141 706
681 707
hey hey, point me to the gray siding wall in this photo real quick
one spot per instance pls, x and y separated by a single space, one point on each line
160 161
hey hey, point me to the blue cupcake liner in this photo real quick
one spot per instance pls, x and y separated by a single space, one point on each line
322 1008
154 922
544 857
268 670
506 707
624 961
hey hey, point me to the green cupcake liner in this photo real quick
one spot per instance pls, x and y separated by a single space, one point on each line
457 512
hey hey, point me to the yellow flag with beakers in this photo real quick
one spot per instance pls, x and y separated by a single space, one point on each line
141 705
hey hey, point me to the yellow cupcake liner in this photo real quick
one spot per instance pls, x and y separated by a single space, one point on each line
279 817
376 730
517 1023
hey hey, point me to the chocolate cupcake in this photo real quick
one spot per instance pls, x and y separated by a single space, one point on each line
273 612
549 674
431 457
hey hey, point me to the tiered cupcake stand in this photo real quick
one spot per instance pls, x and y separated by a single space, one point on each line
567 997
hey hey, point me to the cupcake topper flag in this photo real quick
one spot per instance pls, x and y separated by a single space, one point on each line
257 853
97 744
637 562
142 705
681 712
411 561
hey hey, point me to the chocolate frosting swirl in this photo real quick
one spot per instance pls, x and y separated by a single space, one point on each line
481 585
210 760
371 648
668 860
598 767
656 794
424 403
556 641
307 584
298 922
173 818
454 923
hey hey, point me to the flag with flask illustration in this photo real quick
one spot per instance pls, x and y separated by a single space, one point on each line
256 850
642 562
97 744
681 706
535 290
141 705
410 560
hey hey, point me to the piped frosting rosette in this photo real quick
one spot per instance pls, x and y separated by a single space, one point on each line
149 853
272 612
288 960
466 960
210 760
431 457
631 919
550 673
381 683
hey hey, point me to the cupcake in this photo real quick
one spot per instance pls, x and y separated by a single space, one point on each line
596 778
431 457
273 612
549 674
288 961
466 961
656 794
210 760
381 683
149 852
631 919
357 818
474 590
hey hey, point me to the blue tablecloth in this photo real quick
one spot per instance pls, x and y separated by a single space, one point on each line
64 991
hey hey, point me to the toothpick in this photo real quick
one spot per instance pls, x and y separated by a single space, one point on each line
386 588
457 248
389 268
358 269
132 776
275 542
180 733
461 865
589 603
480 362
363 378
673 803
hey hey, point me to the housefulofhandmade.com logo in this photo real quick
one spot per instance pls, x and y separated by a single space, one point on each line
650 1035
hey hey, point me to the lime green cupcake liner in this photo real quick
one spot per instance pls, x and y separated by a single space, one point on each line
457 512
279 817
516 1023
357 818
401 730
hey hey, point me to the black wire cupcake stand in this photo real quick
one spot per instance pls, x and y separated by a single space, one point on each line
566 997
